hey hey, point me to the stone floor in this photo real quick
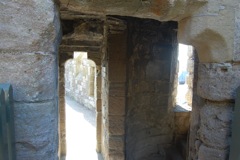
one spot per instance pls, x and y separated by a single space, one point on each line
80 132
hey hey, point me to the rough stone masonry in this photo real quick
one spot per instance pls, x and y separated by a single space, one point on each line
30 36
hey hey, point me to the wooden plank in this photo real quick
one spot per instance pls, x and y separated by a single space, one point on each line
235 143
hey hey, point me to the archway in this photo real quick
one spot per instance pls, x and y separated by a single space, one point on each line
81 35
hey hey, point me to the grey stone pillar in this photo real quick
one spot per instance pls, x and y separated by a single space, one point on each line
217 84
30 35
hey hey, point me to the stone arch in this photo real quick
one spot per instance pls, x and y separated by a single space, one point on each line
63 58
211 45
86 35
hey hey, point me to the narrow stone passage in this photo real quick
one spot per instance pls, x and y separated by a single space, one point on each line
80 132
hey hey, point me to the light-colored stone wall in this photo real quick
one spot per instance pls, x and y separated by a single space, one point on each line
30 35
80 80
190 76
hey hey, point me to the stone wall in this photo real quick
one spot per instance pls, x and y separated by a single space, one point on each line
80 35
30 35
189 79
216 83
80 80
29 40
212 114
149 114
114 90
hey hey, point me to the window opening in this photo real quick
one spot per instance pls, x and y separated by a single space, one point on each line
185 77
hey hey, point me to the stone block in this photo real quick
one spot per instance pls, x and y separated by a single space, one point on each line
206 153
149 147
189 80
159 101
117 89
237 35
218 81
117 47
116 143
36 130
116 105
162 87
182 122
33 75
117 71
189 96
190 66
99 105
116 125
143 86
142 99
154 70
116 156
38 26
215 125
163 51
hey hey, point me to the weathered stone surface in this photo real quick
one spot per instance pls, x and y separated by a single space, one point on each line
117 89
217 81
116 106
206 153
116 143
215 125
36 130
237 34
116 125
197 104
30 34
211 31
117 71
182 122
161 10
28 26
114 95
116 156
149 124
33 75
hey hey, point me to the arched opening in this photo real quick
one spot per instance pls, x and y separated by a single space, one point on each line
80 79
80 107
